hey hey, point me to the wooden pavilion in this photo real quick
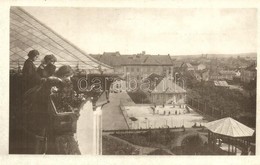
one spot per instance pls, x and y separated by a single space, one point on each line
229 135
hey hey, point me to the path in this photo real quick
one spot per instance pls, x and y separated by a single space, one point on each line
112 116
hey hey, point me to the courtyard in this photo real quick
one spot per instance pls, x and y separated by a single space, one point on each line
145 116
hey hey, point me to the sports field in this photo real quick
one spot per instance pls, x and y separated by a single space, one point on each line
145 117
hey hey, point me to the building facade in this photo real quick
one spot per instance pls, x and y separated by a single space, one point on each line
166 91
138 65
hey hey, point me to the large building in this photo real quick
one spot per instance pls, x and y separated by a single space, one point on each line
138 65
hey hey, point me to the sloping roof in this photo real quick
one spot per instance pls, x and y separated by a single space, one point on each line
189 65
115 59
111 60
167 85
177 64
221 83
153 80
227 72
111 53
229 127
158 60
133 59
27 33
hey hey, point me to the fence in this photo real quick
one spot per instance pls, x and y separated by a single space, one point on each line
206 109
177 129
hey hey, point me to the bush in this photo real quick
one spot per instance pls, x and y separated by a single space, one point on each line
151 138
113 147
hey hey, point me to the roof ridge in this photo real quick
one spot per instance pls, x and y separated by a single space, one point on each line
237 125
230 127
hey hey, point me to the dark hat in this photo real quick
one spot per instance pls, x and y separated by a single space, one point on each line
33 53
64 71
50 57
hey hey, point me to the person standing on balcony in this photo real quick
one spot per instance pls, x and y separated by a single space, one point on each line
52 134
47 68
30 77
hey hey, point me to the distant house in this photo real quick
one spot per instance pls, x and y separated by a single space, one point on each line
165 91
200 67
194 66
178 66
238 73
205 75
248 74
223 75
214 75
197 75
189 67
221 83
228 75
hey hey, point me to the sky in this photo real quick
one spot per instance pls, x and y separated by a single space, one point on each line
156 31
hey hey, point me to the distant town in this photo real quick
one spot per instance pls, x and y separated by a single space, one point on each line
180 92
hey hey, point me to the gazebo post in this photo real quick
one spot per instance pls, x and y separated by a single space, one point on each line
213 140
248 143
228 145
236 145
209 138
232 146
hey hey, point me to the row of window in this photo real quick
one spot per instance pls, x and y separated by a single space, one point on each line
163 96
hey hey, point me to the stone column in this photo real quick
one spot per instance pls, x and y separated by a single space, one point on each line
97 129
89 130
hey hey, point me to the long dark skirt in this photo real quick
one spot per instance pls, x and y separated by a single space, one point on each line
67 145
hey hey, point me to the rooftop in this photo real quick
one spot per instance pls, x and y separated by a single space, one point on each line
166 85
227 72
115 59
27 33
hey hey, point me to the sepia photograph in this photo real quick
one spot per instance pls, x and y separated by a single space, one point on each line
132 81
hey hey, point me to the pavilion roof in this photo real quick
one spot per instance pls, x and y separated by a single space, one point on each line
229 127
